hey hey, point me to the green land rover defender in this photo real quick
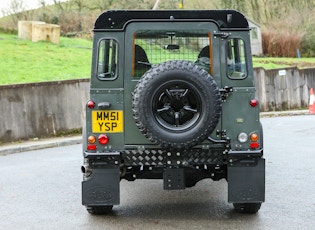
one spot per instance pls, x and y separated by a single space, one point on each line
172 97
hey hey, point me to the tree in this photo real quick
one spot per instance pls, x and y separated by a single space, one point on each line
255 10
239 5
102 5
17 11
79 5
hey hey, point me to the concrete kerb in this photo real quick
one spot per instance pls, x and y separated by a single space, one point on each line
64 141
284 113
39 144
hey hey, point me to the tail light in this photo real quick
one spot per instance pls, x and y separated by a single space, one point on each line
253 103
91 147
103 139
91 104
91 143
254 138
254 145
91 139
242 137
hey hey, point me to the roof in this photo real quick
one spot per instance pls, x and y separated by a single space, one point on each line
118 19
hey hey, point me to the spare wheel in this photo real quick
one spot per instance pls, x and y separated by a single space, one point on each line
176 104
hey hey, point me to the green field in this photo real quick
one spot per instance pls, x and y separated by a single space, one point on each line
274 62
23 61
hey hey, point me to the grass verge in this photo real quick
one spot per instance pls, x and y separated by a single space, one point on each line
274 62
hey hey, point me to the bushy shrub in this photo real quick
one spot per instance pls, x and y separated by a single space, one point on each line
280 44
308 45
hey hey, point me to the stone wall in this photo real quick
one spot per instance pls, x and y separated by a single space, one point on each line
50 108
283 89
41 109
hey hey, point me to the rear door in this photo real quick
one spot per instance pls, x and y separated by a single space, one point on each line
158 47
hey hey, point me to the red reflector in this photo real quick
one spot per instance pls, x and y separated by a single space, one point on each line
253 103
103 139
91 147
254 145
91 104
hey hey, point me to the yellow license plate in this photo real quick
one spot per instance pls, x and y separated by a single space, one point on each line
108 121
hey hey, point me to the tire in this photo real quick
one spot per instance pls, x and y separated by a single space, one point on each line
176 104
99 210
249 208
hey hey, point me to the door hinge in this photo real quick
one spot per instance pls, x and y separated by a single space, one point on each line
225 92
221 34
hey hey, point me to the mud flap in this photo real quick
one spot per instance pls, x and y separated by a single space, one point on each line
246 181
102 187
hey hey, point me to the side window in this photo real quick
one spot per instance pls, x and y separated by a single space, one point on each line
235 59
107 59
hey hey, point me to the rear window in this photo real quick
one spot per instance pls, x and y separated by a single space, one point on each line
153 47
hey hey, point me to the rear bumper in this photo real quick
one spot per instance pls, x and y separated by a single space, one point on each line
245 176
249 153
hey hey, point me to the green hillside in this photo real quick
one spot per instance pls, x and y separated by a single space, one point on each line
287 25
23 61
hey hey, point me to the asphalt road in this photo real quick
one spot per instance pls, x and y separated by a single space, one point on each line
41 190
